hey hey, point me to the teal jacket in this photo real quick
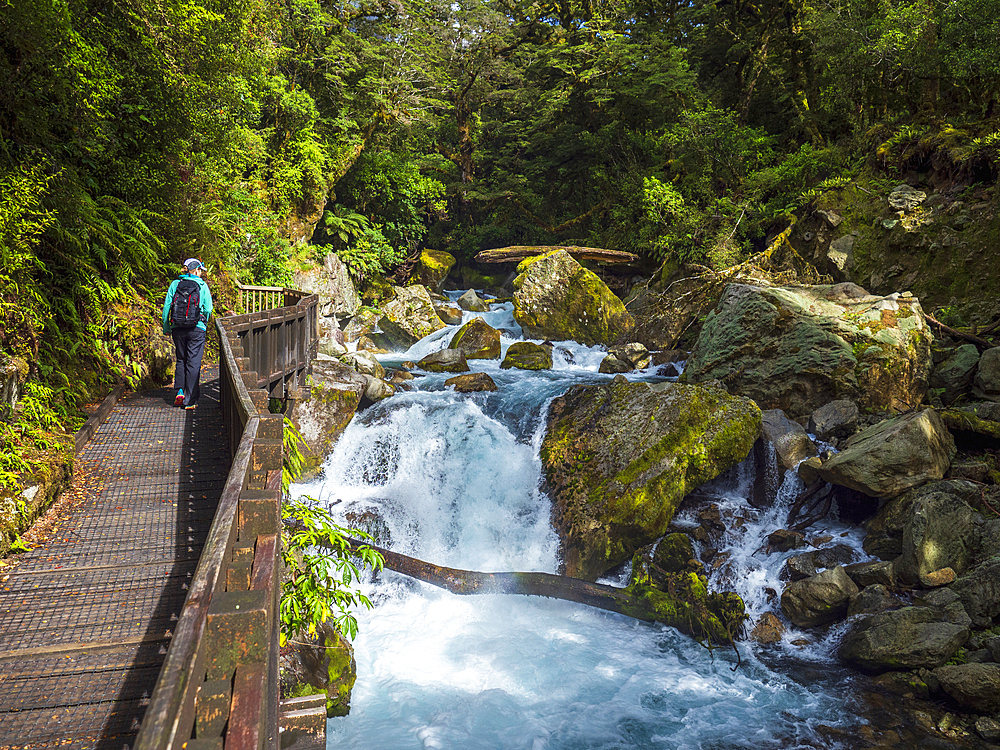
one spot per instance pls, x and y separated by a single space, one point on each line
204 297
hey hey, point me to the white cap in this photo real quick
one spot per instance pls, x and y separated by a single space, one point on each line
193 264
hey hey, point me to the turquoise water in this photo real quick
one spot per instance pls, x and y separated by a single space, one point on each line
456 479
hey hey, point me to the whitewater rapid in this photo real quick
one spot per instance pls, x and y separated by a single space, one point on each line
457 480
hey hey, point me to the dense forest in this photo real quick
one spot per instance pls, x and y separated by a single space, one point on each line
134 134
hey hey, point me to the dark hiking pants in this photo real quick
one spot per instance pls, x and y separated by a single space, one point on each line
189 345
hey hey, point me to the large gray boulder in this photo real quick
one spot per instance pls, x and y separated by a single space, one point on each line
954 375
979 592
907 638
556 299
365 363
893 456
332 284
527 355
797 348
619 457
473 302
939 531
987 381
820 599
335 393
789 438
975 686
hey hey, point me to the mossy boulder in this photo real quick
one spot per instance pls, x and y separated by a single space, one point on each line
323 663
683 601
333 285
472 382
798 348
446 360
477 339
432 269
413 310
557 299
619 458
525 355
335 393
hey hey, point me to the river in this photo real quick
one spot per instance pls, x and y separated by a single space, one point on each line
456 478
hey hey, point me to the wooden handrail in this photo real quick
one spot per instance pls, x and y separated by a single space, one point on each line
220 672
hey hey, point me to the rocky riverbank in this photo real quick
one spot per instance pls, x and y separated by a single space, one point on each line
888 426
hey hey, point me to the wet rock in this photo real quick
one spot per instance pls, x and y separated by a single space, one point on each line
979 592
872 600
449 314
835 420
907 638
619 457
973 471
364 363
472 302
377 390
413 311
556 298
808 470
611 365
768 629
445 360
955 374
472 382
975 686
818 600
668 356
808 564
477 339
789 438
390 337
939 531
372 523
432 269
799 567
669 370
634 354
987 381
869 573
330 347
798 348
893 456
525 355
783 540
323 663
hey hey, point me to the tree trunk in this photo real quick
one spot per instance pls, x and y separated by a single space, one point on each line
687 606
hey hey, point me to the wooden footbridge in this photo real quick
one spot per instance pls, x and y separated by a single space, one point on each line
148 619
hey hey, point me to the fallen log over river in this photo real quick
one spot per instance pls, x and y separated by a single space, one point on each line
517 253
712 618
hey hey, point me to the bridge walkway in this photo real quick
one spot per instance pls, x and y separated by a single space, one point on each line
86 617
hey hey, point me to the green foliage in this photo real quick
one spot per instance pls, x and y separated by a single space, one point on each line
322 572
293 461
40 423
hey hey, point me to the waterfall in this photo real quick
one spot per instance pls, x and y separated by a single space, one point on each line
456 480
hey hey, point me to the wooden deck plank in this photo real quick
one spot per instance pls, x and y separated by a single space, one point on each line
86 617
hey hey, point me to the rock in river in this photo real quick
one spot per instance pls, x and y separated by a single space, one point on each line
619 457
557 299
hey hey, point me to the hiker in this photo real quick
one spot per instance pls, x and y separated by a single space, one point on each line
186 311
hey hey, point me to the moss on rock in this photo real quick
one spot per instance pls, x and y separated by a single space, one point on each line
618 458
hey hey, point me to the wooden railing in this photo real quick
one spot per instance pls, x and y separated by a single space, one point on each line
257 298
218 687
